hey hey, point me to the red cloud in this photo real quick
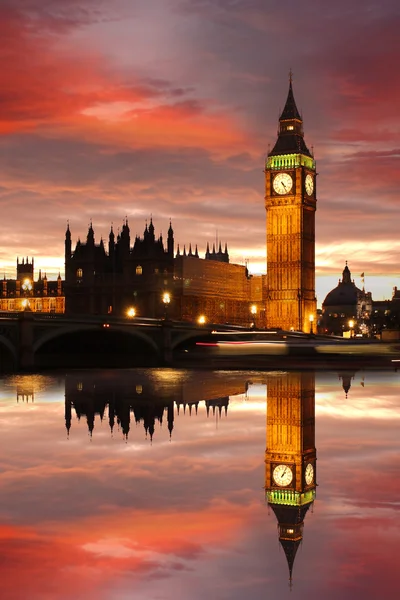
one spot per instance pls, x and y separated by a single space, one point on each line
64 92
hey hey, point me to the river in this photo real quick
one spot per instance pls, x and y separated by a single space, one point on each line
165 484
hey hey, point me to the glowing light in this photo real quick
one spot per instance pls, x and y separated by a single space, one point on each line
131 312
201 320
253 309
166 298
27 285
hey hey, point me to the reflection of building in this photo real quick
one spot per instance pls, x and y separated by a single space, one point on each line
346 377
346 304
24 293
135 276
290 456
144 398
290 202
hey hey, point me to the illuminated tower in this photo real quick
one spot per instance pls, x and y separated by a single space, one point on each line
290 202
290 456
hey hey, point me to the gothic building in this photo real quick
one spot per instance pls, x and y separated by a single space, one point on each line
290 202
24 293
98 281
136 275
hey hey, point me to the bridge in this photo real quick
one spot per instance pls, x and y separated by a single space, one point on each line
32 340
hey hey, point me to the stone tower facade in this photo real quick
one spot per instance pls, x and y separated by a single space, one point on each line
290 203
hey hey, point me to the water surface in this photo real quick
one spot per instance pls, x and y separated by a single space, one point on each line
150 484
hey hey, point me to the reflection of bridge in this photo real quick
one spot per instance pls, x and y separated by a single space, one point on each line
29 340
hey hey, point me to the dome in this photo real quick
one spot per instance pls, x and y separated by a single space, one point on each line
345 293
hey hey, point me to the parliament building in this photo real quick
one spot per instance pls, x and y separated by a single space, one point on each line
126 277
123 274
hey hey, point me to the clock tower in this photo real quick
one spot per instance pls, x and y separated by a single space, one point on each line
290 456
290 203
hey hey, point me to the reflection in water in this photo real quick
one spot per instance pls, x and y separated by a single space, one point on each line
290 456
108 520
150 399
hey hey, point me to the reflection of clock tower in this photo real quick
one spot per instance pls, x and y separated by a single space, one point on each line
290 202
290 456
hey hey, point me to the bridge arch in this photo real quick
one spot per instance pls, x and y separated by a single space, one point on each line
87 346
12 350
82 328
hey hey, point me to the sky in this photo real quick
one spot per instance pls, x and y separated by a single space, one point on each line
113 519
167 108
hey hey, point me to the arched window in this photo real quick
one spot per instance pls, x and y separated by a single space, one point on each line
139 270
79 273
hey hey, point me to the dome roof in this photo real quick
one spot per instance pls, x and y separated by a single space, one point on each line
345 293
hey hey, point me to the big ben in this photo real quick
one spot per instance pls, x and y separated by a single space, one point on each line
290 456
290 203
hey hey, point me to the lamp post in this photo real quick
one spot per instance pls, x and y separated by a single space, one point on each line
201 320
351 325
311 317
166 300
131 312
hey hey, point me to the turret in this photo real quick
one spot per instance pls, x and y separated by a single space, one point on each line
90 236
170 242
151 230
68 246
125 239
111 245
226 253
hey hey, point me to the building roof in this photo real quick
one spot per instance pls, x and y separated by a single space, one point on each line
290 110
290 136
346 293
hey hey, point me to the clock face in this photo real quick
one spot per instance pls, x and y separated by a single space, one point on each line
282 475
282 183
309 474
309 184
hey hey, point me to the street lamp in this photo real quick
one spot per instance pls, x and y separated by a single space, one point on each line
131 312
311 317
351 325
166 300
201 320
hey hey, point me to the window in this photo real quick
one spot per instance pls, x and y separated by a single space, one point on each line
79 273
139 270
